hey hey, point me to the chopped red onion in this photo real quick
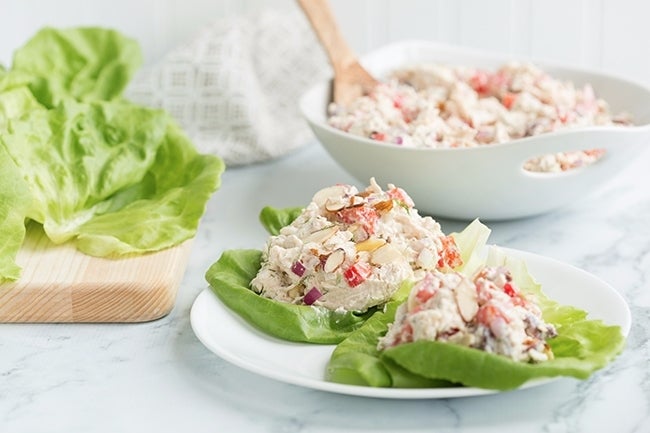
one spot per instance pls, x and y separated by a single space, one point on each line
298 268
312 296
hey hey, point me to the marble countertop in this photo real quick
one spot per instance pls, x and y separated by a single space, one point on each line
158 377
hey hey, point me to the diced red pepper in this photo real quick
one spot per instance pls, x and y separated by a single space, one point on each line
449 255
508 100
425 289
366 216
479 82
379 136
406 336
357 274
488 313
423 295
517 298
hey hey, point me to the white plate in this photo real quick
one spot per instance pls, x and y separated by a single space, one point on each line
227 335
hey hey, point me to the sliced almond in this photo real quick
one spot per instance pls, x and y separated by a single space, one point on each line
321 235
334 205
466 299
356 200
331 192
383 206
334 260
370 244
385 254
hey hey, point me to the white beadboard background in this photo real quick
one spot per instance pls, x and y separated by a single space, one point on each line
606 35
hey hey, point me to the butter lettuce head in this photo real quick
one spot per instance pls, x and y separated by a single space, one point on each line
114 177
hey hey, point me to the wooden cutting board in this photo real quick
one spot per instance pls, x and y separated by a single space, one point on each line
60 284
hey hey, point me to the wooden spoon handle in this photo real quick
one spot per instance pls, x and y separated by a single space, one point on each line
322 21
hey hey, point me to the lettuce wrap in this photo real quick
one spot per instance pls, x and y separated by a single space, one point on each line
581 347
230 279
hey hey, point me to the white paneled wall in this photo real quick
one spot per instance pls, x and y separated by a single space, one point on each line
608 35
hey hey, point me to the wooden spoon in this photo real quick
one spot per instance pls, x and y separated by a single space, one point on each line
351 80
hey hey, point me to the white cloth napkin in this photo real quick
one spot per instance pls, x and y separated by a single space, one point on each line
235 87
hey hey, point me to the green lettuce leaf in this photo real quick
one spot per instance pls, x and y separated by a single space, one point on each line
78 155
15 201
163 210
15 197
85 63
581 347
230 279
273 219
15 97
119 177
357 361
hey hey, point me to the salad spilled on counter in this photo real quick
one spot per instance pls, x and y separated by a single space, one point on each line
438 106
350 250
486 312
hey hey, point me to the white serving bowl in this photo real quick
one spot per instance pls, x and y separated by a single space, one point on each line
486 182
